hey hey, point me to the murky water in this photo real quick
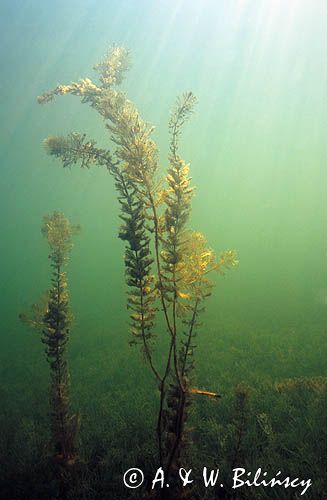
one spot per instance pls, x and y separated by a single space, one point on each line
256 144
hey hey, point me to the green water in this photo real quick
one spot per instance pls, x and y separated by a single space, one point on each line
257 148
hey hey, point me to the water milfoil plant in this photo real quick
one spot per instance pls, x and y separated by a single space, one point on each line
168 265
52 318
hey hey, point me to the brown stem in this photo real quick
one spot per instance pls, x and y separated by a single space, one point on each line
146 346
177 372
179 432
162 397
156 245
189 337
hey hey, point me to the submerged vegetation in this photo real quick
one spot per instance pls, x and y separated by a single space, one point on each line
254 425
167 264
52 319
253 397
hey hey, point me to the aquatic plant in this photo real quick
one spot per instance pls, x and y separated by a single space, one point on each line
241 402
304 383
52 318
167 264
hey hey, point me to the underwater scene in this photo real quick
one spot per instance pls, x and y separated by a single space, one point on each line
163 249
